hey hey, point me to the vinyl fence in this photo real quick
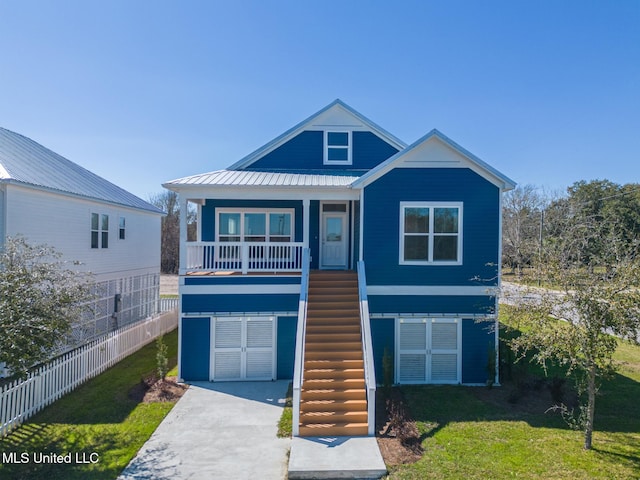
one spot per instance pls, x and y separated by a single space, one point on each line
21 399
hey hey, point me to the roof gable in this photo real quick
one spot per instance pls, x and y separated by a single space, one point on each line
436 150
335 115
25 161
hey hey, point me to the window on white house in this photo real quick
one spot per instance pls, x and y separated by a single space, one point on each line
337 148
121 232
99 230
255 226
430 233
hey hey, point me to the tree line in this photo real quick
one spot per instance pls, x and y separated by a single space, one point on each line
582 225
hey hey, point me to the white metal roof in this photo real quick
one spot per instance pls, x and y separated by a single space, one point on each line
262 179
27 162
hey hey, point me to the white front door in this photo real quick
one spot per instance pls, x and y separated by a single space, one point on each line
334 236
243 348
428 350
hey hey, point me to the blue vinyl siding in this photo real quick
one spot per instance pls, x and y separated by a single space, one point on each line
481 215
477 338
370 150
430 304
305 152
195 353
383 332
286 335
208 227
267 279
238 303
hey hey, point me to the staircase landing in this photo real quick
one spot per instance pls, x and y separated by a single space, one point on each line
335 457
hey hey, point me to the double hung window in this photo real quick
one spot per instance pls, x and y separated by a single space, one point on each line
337 148
99 230
430 233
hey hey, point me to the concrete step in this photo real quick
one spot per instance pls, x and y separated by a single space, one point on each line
335 457
333 406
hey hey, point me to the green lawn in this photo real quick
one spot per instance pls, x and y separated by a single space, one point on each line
97 418
466 434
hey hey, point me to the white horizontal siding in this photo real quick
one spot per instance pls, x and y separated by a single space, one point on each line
64 222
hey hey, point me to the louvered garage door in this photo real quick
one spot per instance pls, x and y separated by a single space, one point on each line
243 348
428 350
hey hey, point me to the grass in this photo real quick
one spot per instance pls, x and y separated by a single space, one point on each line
465 435
97 418
285 425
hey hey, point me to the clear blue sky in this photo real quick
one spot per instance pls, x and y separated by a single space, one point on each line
142 92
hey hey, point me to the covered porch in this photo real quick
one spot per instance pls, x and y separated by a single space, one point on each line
264 229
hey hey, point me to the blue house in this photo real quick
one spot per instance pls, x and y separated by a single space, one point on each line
333 247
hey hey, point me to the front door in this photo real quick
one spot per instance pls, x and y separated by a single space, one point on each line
334 242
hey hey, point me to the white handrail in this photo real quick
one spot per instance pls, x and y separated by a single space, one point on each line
367 347
244 256
298 368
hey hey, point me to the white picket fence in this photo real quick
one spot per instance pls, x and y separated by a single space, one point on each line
21 399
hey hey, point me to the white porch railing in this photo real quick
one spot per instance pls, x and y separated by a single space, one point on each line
244 256
367 349
298 369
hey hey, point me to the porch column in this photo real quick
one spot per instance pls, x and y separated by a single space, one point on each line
182 200
306 203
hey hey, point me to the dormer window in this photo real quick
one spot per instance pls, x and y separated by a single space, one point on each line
337 148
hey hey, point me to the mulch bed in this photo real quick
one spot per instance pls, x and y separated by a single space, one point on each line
397 433
151 389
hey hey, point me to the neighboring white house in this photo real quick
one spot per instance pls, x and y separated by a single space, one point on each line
97 226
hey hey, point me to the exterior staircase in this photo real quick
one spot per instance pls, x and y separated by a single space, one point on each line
333 400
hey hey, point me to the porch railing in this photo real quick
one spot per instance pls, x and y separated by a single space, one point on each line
244 256
367 349
298 367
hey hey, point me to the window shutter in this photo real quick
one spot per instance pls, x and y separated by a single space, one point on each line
413 358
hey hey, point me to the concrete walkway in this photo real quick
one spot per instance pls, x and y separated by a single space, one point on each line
218 430
335 458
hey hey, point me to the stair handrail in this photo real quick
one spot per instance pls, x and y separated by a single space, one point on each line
367 349
298 370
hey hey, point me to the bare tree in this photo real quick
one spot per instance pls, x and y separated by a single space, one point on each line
170 229
521 226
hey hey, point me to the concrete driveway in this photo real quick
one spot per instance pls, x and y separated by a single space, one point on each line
218 430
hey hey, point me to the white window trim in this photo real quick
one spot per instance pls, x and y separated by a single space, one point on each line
431 206
266 211
347 147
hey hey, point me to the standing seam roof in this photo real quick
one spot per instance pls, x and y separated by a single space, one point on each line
252 179
25 161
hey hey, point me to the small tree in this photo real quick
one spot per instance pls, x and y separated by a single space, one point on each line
162 358
39 300
575 325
